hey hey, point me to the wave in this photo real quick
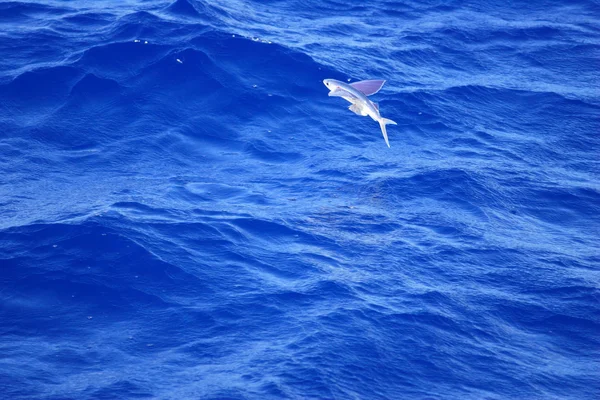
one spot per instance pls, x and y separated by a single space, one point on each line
184 212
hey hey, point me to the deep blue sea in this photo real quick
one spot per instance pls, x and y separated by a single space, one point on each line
186 214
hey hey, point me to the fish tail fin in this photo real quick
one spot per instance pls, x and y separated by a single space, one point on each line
382 123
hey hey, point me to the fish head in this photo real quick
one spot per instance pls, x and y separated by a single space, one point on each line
330 83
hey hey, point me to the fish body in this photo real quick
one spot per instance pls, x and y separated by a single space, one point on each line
357 94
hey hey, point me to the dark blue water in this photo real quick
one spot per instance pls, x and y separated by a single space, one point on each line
186 214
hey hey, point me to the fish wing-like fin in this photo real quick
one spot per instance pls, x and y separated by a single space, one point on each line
357 109
339 92
376 106
369 87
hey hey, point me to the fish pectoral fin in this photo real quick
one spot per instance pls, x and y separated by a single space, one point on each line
357 109
376 106
338 92
369 87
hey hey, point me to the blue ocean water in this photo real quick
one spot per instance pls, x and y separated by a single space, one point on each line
186 214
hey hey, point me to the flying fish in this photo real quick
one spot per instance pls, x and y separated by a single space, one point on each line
357 94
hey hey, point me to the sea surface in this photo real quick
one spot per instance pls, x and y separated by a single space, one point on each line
186 214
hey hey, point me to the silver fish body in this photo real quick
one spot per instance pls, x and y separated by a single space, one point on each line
356 93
